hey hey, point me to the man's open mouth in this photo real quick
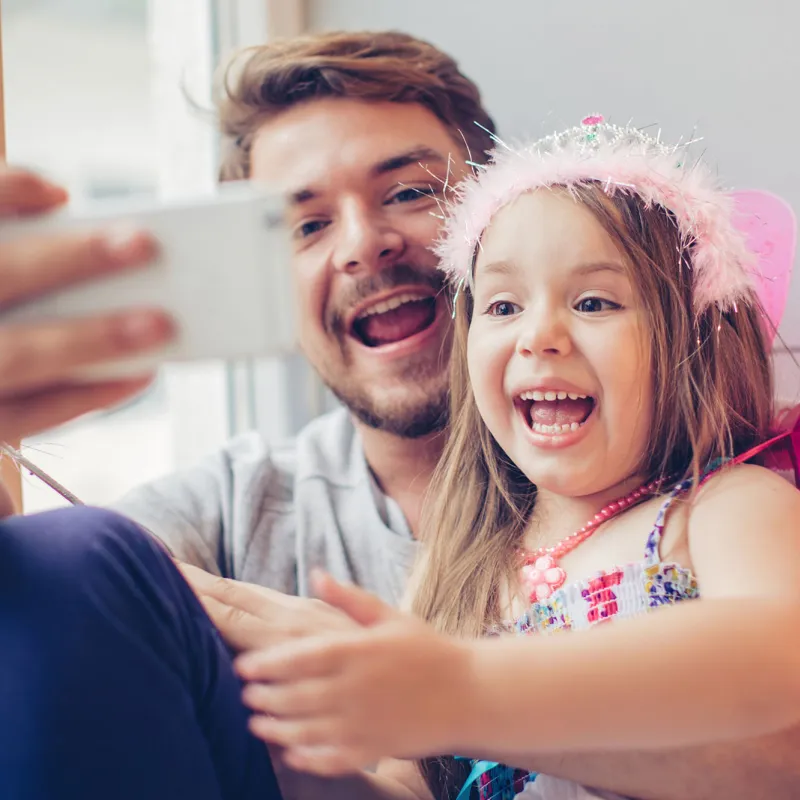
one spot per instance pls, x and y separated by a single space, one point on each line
394 319
554 412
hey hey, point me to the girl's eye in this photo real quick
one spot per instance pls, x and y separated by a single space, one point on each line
410 194
502 308
592 305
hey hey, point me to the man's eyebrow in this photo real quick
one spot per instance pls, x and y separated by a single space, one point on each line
301 196
417 155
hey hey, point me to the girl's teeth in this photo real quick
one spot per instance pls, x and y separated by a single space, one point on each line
537 396
555 429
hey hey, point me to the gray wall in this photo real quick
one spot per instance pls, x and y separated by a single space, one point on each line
726 67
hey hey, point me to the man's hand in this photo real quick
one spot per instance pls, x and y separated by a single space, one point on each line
392 686
38 362
251 617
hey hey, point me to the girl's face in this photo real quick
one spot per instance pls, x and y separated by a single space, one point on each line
558 352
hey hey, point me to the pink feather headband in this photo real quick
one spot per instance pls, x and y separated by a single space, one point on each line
734 238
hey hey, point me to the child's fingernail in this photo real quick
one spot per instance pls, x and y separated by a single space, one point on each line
242 665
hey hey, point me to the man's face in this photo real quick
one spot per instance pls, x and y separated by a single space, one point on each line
365 182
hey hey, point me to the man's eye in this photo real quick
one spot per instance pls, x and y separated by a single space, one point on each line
412 193
310 228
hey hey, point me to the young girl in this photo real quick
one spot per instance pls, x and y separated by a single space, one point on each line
610 374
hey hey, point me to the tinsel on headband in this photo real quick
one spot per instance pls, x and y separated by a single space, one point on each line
620 159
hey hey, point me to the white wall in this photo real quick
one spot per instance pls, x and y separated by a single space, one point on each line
80 102
93 97
727 67
78 97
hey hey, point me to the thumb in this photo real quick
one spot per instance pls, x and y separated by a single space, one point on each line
7 507
362 607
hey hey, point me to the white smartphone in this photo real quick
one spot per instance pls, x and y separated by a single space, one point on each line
223 273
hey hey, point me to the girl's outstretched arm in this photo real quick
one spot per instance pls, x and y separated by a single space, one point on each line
720 668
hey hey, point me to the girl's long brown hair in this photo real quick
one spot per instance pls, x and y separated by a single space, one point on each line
713 397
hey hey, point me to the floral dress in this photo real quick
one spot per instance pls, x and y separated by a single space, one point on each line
621 592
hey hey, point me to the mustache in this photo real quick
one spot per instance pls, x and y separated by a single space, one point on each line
386 280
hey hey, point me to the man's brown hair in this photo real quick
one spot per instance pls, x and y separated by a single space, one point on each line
261 82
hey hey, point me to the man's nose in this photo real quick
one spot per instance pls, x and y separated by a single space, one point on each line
366 241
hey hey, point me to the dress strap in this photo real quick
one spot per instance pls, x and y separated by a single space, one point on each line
652 553
652 547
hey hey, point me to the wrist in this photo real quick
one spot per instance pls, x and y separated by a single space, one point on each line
474 716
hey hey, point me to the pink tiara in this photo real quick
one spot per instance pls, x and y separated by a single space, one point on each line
620 159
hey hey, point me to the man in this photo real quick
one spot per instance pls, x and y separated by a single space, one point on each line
364 135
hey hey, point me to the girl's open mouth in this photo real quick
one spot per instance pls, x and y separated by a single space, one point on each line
554 412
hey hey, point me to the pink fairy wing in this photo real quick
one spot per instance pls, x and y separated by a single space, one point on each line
770 228
783 457
781 453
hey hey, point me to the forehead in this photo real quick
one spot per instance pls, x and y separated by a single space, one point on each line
332 141
545 227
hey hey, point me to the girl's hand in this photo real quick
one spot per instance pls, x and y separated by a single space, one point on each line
340 701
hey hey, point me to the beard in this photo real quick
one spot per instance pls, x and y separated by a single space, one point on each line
419 405
407 418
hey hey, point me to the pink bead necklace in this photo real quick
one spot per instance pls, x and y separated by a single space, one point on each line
541 574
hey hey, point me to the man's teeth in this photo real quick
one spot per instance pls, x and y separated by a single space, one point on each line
539 396
391 303
554 429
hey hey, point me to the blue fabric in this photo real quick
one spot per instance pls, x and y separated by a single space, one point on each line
478 769
496 770
113 681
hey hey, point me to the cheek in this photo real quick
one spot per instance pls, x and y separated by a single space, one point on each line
311 289
424 228
630 375
633 374
640 374
487 362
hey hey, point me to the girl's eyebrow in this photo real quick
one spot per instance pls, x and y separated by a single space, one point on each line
600 266
509 268
498 268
